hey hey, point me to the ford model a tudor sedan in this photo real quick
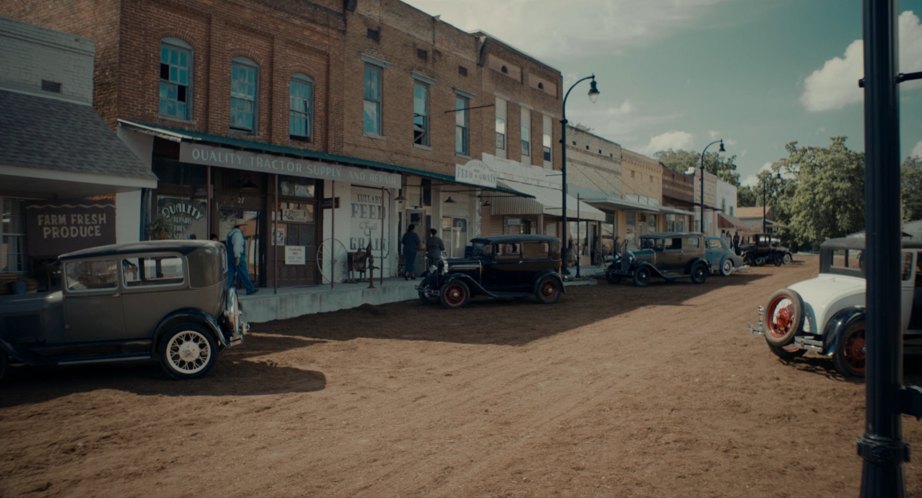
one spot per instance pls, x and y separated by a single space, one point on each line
158 300
670 256
826 314
496 267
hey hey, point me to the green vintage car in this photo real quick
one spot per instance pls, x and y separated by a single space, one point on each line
165 301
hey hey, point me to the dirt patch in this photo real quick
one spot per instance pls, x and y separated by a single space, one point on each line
613 391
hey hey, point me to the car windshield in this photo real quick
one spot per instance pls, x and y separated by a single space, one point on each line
481 250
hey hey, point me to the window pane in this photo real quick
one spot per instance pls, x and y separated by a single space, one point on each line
420 113
371 117
174 80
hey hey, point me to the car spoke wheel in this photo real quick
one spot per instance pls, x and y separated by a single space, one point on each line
455 294
188 351
548 290
699 273
642 277
726 268
849 358
788 259
784 316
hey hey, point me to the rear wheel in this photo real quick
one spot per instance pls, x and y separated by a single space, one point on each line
784 316
787 259
187 351
642 277
849 358
778 259
455 294
612 278
726 267
548 291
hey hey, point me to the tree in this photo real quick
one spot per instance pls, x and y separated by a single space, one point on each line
746 196
827 196
911 188
682 160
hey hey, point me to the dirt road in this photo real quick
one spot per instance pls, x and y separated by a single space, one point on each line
614 391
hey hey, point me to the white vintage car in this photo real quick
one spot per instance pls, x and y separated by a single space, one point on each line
826 314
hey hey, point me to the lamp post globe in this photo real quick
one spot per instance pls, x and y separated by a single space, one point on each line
593 96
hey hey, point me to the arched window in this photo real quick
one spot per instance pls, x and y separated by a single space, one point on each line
175 79
301 107
244 89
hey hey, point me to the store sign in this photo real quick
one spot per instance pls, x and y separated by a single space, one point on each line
267 163
184 216
368 217
295 255
475 172
53 229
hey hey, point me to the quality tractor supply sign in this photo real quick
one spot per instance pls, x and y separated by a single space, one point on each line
53 229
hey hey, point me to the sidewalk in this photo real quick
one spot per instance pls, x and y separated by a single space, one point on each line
291 302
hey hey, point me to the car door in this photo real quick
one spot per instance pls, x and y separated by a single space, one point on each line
670 258
503 273
92 300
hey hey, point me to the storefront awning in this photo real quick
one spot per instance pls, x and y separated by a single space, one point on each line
535 199
237 144
616 204
672 210
725 221
50 146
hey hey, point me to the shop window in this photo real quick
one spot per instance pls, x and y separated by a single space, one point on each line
301 107
175 79
12 237
244 89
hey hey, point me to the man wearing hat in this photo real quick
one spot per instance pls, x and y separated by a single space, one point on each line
236 259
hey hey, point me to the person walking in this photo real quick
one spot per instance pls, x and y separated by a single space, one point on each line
736 242
434 247
410 245
237 260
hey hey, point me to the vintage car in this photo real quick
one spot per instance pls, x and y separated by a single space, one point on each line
721 258
766 249
825 314
501 266
670 256
161 300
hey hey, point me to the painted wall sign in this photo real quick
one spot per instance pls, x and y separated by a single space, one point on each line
185 216
367 217
267 163
475 172
53 229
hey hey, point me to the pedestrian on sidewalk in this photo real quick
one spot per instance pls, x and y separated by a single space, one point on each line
237 259
434 248
410 245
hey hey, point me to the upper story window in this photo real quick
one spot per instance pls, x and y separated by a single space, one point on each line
526 135
175 79
462 125
546 140
244 88
501 127
371 124
420 113
300 107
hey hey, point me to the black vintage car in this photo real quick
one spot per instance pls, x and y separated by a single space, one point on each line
765 249
164 300
668 255
502 266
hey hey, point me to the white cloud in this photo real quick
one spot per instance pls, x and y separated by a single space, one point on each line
917 150
587 27
835 85
753 180
670 140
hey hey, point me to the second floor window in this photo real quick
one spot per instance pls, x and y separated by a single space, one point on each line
526 135
371 110
175 79
244 88
501 126
546 140
420 113
301 107
462 125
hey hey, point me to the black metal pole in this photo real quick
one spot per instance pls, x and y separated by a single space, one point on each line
563 170
578 238
764 196
881 446
721 142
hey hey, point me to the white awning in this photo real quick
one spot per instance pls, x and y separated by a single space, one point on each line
547 200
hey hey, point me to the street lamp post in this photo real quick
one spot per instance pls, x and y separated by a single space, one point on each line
721 142
768 178
593 95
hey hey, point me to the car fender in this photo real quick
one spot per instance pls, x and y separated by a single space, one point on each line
690 266
472 284
552 274
193 315
653 269
835 327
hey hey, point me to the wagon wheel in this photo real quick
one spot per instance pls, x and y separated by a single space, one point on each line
332 261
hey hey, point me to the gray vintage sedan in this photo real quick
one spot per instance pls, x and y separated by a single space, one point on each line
721 257
165 300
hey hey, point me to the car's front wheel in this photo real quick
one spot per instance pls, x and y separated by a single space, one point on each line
849 357
642 277
787 259
699 273
426 298
548 290
726 267
612 278
187 351
455 294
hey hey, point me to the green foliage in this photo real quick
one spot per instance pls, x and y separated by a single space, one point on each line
911 188
682 160
823 190
746 196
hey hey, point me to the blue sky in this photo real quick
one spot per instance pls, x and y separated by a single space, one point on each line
681 73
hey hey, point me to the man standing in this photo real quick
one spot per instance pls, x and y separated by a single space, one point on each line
237 261
434 247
